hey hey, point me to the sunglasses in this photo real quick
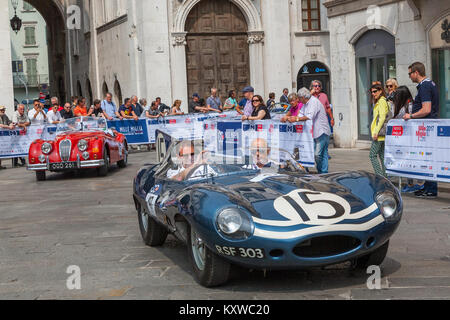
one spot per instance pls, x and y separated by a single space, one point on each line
410 73
188 155
256 100
317 86
375 91
389 86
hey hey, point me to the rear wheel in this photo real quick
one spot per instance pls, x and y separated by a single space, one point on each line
40 175
153 234
103 170
374 258
210 270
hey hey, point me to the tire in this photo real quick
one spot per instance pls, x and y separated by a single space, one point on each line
103 170
153 234
41 176
210 270
374 258
123 163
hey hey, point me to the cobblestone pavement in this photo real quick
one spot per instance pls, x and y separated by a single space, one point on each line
90 222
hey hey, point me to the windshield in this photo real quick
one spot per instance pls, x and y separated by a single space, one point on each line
190 160
82 124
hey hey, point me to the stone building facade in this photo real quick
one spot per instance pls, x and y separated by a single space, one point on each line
173 48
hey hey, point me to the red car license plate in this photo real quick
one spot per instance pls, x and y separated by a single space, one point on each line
63 166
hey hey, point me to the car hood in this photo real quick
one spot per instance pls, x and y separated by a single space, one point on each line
288 201
75 136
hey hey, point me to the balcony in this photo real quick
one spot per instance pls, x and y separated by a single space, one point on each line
35 80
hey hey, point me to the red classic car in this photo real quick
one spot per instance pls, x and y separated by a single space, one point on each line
80 143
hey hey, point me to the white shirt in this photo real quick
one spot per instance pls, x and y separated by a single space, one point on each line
315 111
39 117
198 173
52 116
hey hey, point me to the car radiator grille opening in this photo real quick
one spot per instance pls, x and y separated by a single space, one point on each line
65 147
326 246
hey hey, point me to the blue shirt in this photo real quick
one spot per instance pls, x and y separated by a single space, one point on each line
215 103
109 108
427 92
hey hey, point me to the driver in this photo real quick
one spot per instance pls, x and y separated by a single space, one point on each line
188 162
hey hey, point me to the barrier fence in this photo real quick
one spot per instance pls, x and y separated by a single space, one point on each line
224 132
418 149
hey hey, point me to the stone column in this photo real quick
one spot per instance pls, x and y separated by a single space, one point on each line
256 47
277 49
178 69
7 88
155 50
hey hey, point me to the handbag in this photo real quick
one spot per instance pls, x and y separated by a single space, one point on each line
389 117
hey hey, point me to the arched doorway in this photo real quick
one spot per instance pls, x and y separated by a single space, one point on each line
217 52
314 71
375 61
105 89
118 93
89 92
79 89
53 14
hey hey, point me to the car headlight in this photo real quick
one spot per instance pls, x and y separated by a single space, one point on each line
235 224
388 204
46 148
82 145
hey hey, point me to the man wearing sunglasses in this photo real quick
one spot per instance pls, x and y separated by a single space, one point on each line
425 106
189 161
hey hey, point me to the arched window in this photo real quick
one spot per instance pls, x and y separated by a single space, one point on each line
105 89
314 71
118 93
79 89
89 92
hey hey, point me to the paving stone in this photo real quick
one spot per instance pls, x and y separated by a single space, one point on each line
96 228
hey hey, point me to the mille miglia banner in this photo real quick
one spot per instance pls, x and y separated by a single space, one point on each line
418 149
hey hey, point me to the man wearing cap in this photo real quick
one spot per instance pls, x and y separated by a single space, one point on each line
195 106
248 92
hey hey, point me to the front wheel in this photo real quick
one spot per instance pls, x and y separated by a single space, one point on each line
210 270
40 176
103 170
153 234
374 258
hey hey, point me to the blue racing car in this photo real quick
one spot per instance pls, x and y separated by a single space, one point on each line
263 211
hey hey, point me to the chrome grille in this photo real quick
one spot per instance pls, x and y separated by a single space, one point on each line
65 147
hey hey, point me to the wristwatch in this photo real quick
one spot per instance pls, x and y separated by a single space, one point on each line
411 116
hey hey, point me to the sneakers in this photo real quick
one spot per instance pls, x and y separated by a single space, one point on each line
425 194
411 189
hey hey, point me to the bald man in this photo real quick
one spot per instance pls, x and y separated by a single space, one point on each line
260 152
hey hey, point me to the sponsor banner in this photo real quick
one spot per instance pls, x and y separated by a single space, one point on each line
16 143
297 139
136 132
235 138
418 149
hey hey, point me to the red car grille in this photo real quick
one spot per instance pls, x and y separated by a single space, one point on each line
326 246
65 147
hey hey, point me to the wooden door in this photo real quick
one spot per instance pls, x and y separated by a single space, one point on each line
217 50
